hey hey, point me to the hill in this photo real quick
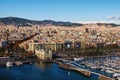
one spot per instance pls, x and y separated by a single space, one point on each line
26 22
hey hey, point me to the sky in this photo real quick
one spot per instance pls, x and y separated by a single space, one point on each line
63 10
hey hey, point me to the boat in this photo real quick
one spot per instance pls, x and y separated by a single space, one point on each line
4 57
109 71
116 76
103 68
78 59
98 68
9 64
93 67
18 63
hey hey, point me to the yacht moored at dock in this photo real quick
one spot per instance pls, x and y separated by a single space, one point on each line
9 64
116 76
18 63
78 59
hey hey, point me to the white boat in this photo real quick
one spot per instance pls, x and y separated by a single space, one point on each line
9 64
116 75
93 67
78 59
4 57
102 68
109 71
18 63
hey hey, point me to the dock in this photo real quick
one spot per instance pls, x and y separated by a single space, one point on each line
85 72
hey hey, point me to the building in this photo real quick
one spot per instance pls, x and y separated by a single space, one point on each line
68 44
77 45
38 49
86 30
100 45
4 43
31 46
44 54
59 47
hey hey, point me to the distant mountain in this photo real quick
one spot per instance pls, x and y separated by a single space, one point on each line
25 22
106 24
14 21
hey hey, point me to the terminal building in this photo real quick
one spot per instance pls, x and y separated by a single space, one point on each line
55 47
38 49
65 47
43 54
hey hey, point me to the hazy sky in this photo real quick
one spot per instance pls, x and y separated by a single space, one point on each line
62 10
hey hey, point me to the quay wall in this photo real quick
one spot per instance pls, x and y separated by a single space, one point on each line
84 72
102 77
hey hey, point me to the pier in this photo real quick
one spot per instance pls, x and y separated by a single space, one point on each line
74 67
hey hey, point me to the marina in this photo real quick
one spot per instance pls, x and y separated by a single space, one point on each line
100 68
107 68
104 66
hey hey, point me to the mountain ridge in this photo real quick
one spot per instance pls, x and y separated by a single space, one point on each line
27 22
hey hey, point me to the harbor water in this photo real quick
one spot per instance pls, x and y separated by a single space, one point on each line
39 71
